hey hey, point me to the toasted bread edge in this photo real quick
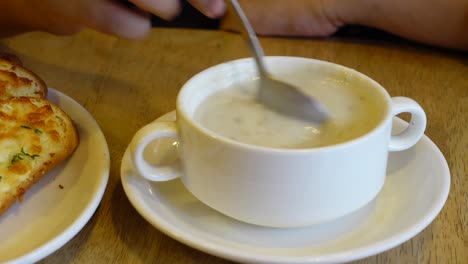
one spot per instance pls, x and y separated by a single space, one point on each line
13 59
39 80
17 64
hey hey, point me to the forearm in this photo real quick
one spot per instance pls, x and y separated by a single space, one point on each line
436 22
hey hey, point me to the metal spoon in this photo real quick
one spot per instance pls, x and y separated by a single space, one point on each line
278 95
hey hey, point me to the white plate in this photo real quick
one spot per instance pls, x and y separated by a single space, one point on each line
416 188
50 216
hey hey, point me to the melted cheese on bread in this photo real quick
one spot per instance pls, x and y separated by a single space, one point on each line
35 136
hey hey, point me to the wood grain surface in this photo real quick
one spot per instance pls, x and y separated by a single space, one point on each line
127 84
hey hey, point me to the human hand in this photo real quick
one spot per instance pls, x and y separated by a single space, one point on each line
435 22
306 18
108 16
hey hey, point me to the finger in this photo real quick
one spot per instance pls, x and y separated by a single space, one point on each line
166 9
116 19
210 8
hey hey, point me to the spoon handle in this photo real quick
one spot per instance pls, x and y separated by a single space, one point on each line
252 39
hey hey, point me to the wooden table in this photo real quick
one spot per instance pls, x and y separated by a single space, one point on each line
126 84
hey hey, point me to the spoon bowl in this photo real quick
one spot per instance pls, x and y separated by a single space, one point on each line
286 99
276 94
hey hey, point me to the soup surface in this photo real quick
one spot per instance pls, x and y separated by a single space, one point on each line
235 113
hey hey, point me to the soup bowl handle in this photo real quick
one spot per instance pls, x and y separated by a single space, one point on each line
146 135
415 130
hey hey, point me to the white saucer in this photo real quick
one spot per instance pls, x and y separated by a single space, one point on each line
56 208
416 188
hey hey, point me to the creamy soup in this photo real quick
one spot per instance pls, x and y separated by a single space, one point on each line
235 113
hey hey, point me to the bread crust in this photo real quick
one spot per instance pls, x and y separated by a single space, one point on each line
20 79
62 125
11 58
